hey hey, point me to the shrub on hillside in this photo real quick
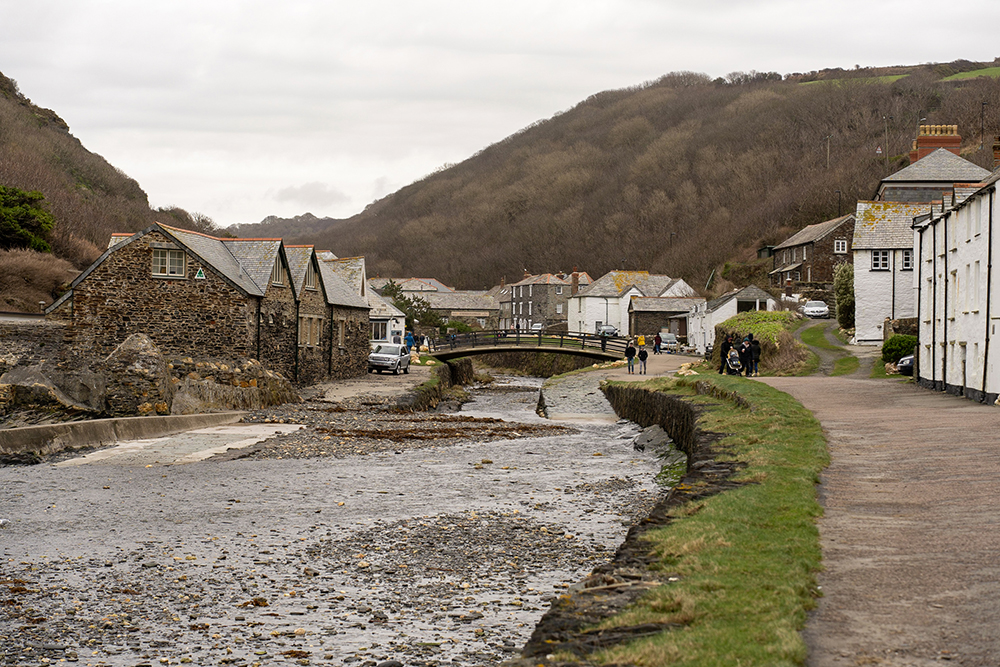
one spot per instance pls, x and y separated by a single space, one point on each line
28 277
897 347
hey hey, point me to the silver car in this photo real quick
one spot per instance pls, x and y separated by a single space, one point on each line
816 309
389 357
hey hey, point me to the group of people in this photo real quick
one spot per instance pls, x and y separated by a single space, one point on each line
632 355
741 358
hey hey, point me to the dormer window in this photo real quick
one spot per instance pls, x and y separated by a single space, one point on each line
277 275
310 276
169 263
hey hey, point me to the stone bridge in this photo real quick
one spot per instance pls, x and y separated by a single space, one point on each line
587 345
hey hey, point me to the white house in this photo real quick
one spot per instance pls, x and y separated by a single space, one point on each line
606 300
883 266
704 317
958 296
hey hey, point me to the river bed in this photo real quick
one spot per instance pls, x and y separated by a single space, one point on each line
428 555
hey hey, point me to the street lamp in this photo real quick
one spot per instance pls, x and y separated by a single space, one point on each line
885 127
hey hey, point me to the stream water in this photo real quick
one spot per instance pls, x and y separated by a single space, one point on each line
442 555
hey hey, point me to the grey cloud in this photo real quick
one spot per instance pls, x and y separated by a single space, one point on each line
312 194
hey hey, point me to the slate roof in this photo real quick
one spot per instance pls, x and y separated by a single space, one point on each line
813 233
339 293
216 254
616 283
118 237
257 257
351 270
885 225
940 166
664 304
749 293
461 300
298 257
382 309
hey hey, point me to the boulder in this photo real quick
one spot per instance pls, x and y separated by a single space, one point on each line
27 388
138 380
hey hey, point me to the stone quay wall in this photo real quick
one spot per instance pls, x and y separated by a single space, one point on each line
30 343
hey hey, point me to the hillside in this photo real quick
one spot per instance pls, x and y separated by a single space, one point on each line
675 176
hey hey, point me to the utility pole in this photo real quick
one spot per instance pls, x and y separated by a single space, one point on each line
885 127
828 150
838 203
982 124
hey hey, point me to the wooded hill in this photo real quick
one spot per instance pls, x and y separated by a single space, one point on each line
676 176
88 198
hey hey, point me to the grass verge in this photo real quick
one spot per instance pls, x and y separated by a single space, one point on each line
845 366
815 336
744 559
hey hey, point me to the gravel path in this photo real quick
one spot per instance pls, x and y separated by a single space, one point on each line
363 537
909 534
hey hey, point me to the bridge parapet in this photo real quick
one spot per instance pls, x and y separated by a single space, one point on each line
601 348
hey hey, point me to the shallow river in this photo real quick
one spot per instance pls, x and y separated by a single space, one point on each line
428 556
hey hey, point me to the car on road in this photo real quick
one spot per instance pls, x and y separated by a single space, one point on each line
389 357
669 342
537 326
608 330
905 365
816 309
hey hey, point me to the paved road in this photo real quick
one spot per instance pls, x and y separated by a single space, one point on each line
910 533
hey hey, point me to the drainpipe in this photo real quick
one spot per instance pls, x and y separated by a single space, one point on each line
892 284
934 291
944 320
259 299
295 348
920 278
989 284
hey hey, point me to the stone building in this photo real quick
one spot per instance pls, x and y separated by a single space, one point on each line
542 299
650 315
194 294
812 254
606 300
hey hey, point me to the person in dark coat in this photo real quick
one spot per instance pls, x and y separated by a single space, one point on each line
643 355
657 342
755 357
744 350
724 353
630 357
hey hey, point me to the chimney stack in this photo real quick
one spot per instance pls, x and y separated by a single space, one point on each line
574 283
996 152
933 137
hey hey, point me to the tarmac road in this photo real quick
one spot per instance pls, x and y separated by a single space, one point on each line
910 531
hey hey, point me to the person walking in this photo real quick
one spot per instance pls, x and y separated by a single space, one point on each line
657 342
643 355
755 357
724 354
642 341
409 340
630 357
744 350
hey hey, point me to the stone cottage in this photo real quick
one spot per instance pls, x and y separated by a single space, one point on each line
812 254
197 295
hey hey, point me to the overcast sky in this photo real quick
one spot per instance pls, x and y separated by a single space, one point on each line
240 110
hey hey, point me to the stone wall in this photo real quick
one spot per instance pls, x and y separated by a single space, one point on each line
646 407
278 329
121 297
537 364
349 358
30 343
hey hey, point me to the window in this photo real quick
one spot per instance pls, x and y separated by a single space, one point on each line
907 261
529 308
558 309
795 254
169 263
380 331
840 246
558 289
310 276
880 260
309 330
277 275
804 258
976 281
529 289
341 332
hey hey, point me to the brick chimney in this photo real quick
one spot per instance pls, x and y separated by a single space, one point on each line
933 137
996 152
574 283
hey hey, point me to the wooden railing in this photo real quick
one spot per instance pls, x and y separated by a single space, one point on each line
612 346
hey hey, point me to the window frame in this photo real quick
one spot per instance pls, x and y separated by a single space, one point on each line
906 260
840 246
311 282
310 330
880 260
277 272
164 268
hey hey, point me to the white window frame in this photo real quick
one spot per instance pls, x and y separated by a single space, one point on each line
559 309
380 331
311 282
277 274
840 246
880 260
558 289
169 263
906 260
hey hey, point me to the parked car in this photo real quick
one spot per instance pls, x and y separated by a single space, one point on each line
816 309
608 330
905 365
389 357
537 326
669 342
